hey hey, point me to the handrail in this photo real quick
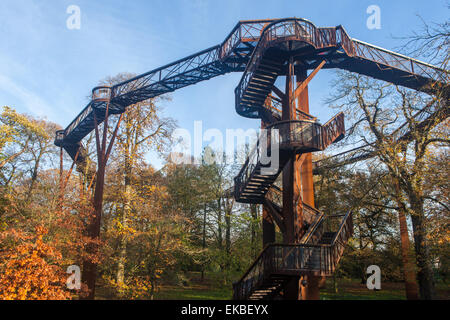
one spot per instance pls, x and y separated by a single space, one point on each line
254 57
433 70
290 121
339 114
316 225
256 260
302 135
159 69
332 253
266 29
344 221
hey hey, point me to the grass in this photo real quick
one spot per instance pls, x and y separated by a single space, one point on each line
213 287
348 289
351 289
194 292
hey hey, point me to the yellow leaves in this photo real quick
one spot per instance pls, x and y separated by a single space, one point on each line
13 124
136 287
123 230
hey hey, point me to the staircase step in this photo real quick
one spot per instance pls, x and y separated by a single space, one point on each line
267 66
263 77
259 86
262 82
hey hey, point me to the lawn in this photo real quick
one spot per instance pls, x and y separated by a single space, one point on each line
348 289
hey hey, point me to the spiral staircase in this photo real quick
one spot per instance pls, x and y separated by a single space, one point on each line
322 244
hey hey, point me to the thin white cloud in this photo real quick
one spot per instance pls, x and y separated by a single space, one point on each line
31 101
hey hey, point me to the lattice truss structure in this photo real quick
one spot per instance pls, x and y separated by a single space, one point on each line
234 54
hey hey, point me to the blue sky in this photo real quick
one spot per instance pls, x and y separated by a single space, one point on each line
48 70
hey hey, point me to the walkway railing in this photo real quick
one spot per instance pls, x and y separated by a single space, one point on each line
238 48
291 29
298 134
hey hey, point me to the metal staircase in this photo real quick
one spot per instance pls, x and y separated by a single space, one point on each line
298 136
318 254
322 245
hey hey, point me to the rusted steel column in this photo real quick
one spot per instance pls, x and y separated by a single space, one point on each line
89 274
268 225
310 283
292 212
286 114
310 287
306 168
61 172
103 150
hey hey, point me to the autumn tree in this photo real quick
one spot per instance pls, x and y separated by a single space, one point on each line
143 128
18 133
376 109
30 268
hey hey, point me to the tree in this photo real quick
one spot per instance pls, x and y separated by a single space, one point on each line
143 128
31 270
17 134
376 109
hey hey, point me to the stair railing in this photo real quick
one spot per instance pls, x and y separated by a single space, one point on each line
254 275
338 245
333 130
247 170
305 135
293 258
284 29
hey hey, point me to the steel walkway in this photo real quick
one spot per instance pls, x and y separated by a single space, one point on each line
234 55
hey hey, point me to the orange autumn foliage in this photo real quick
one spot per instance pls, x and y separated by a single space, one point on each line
29 268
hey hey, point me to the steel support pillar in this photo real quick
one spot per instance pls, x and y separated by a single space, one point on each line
292 203
268 225
309 283
89 274
298 186
61 172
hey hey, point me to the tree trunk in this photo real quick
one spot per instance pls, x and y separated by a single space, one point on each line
408 267
124 223
254 215
228 232
34 176
424 272
204 241
411 289
219 224
122 253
